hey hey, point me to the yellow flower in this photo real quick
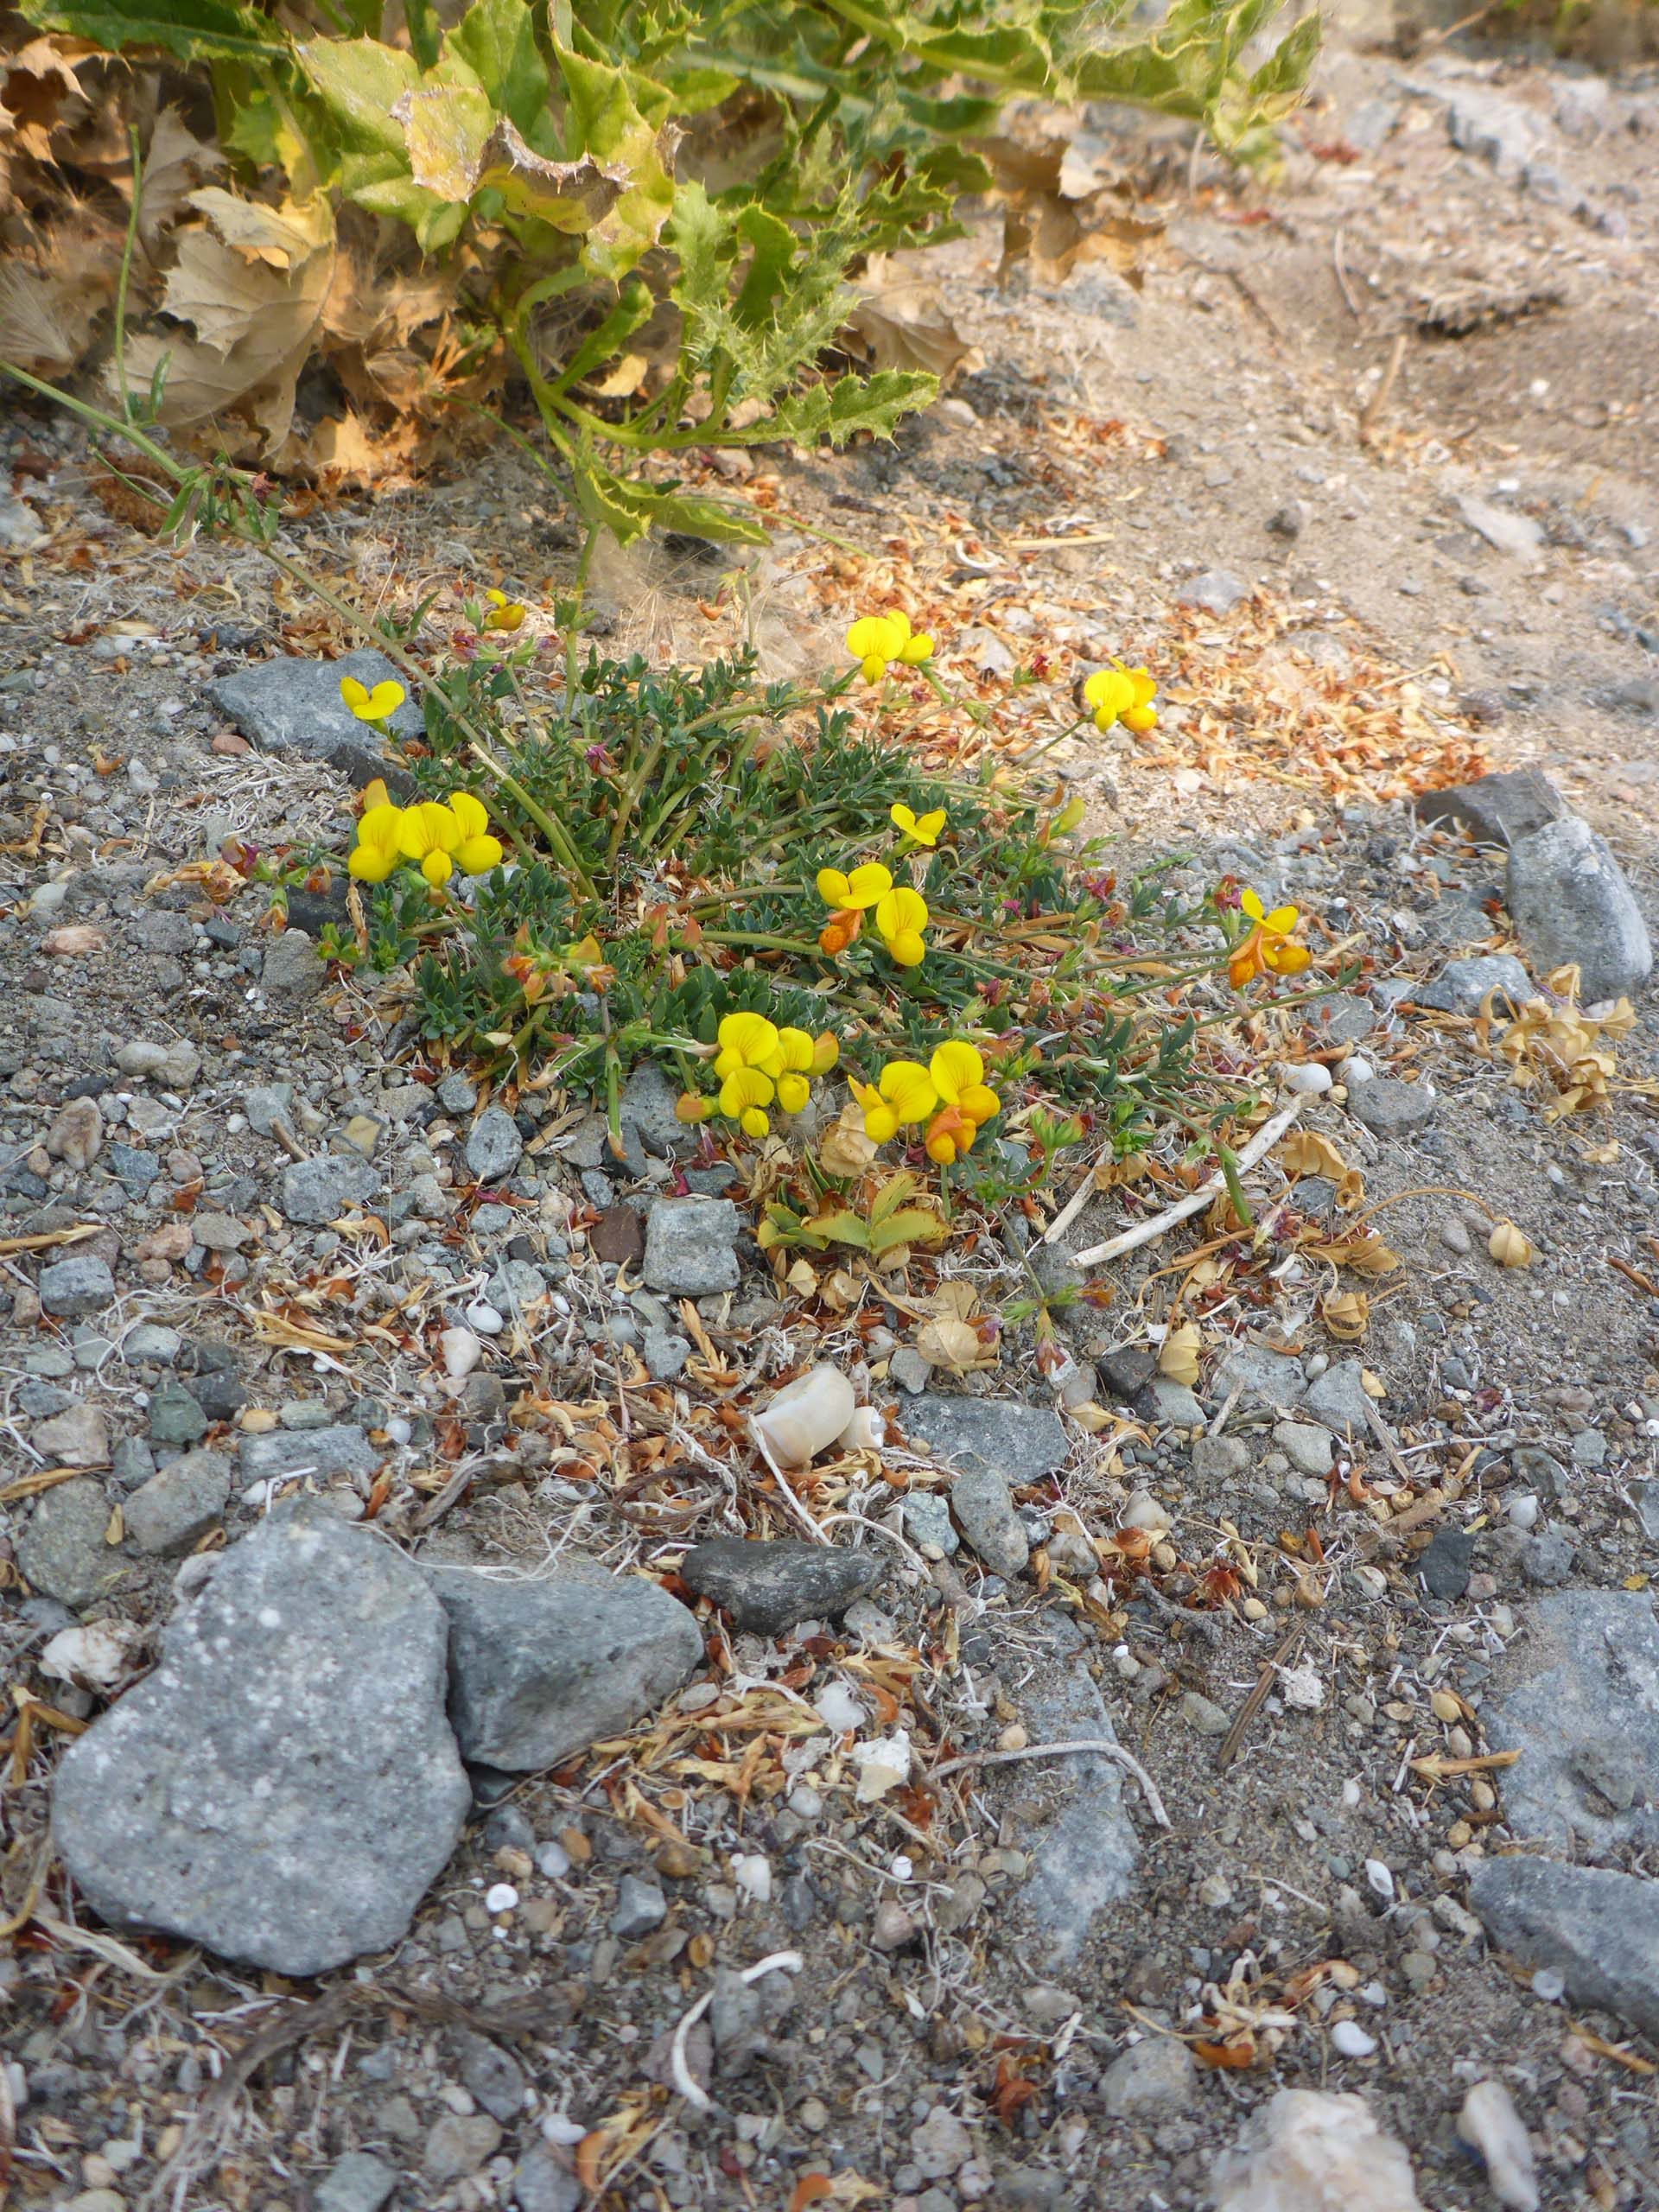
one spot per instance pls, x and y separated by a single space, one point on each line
746 1040
923 829
794 1092
826 1050
907 1087
505 613
854 894
880 1122
1268 949
431 834
376 706
478 852
689 1107
958 1072
875 639
1121 694
378 849
744 1095
901 916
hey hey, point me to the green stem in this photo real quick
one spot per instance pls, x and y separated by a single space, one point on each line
757 937
126 277
584 562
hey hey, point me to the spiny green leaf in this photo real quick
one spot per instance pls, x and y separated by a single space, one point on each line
497 40
192 30
837 410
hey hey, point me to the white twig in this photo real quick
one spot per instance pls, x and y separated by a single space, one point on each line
684 2080
782 1480
1097 1747
1144 1232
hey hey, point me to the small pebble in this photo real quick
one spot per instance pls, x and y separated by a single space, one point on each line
500 1896
1351 2040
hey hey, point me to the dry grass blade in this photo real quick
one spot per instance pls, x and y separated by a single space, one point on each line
1093 1746
1145 1232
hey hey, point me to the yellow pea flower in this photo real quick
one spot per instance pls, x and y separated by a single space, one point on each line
907 1087
794 1092
876 639
794 1051
901 916
855 894
690 1106
378 849
505 613
1121 694
880 1122
1268 949
746 1040
923 829
744 1095
376 706
826 1050
430 835
478 851
950 1135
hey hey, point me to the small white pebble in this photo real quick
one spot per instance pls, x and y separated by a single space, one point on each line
554 1860
398 1429
1307 1078
1380 1878
500 1896
485 1319
902 1868
1548 1985
1356 1069
460 1350
752 1872
1351 2040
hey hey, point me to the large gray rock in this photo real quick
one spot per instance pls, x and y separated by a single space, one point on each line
284 1786
1081 1842
62 1552
539 1669
1339 1398
1568 899
1578 1696
691 1246
1496 810
984 1506
319 1191
293 706
770 1586
1024 1442
495 1146
1598 1929
79 1284
1389 1108
1261 1376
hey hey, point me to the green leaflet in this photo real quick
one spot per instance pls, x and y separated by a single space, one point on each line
191 30
837 411
496 41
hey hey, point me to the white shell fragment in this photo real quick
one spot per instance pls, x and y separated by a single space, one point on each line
806 1416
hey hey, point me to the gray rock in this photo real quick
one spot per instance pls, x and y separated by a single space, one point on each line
220 1232
267 1104
317 1191
1203 1714
175 1508
1339 1398
1308 1449
1261 1376
1569 901
491 2075
1462 985
137 1170
1448 1563
1219 1459
647 1109
1172 1405
292 963
927 1522
1541 1471
665 1354
1548 1559
80 1284
538 1669
177 1065
1389 1108
62 1552
495 1146
1127 1370
458 2145
639 1908
1218 591
540 2183
293 706
1343 1018
984 1512
175 1417
910 1370
771 1585
1151 2079
131 1463
151 1343
1505 528
691 1246
1578 1696
284 1785
1598 1930
356 2182
457 1093
77 1438
1588 1447
1025 1441
342 1449
1496 810
1083 1848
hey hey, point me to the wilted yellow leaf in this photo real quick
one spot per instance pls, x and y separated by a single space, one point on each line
844 1150
1305 1152
954 1344
1367 1254
1179 1357
1508 1247
1347 1315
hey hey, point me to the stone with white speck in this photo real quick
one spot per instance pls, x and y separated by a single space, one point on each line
639 1908
78 1285
690 1247
495 1146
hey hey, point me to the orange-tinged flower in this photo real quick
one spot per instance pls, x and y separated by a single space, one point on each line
1268 949
921 828
689 1107
864 888
950 1134
839 931
826 1050
505 613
